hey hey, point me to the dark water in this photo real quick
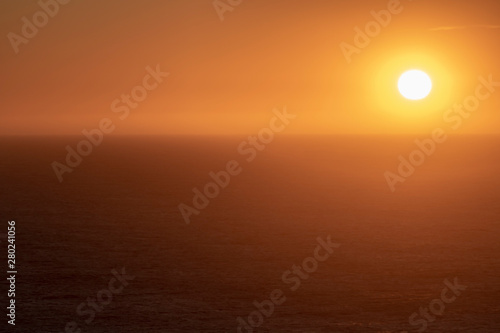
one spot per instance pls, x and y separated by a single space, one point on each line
119 209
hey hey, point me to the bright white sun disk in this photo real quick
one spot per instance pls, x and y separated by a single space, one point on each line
414 84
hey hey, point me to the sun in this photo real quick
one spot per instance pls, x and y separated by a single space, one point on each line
414 84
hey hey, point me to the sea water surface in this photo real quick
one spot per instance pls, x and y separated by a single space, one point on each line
119 210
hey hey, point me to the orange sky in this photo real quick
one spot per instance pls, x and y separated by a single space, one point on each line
227 76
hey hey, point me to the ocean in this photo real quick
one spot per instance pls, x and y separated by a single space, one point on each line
115 220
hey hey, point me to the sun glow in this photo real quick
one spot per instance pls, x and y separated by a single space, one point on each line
403 114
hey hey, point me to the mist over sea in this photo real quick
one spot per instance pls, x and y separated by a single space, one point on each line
119 210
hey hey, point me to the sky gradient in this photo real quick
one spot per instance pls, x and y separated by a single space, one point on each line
225 77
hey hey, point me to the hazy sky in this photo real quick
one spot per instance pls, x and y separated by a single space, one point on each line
227 76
